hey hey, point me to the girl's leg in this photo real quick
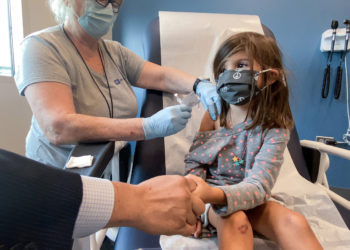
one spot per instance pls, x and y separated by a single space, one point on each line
287 227
234 231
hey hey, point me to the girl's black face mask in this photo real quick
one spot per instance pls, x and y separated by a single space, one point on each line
237 86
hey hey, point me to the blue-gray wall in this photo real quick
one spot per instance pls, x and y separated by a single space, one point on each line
298 26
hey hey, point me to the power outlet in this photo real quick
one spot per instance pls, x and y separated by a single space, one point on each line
325 139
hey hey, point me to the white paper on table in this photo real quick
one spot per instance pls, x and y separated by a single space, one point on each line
80 161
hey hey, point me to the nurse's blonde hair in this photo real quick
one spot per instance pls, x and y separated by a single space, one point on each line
62 9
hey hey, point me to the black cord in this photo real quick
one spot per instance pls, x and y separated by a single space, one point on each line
109 88
110 109
112 59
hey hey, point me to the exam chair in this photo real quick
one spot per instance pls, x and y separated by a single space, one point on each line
145 167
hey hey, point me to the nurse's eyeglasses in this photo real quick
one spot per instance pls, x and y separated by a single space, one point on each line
115 4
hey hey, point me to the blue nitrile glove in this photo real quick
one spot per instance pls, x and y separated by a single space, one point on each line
166 122
209 98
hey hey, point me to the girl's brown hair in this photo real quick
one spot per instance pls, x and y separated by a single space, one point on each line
270 108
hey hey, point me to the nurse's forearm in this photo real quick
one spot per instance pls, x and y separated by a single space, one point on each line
177 81
72 128
165 79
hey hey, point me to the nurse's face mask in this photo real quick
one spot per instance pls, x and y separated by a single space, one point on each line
99 16
236 86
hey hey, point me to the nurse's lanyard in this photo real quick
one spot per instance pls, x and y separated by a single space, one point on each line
110 108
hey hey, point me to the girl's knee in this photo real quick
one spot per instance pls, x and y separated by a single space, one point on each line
239 221
294 220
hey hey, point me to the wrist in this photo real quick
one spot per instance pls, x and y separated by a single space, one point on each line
195 84
125 208
218 196
147 128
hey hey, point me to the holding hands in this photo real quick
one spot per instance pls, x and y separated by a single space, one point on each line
207 193
167 206
202 189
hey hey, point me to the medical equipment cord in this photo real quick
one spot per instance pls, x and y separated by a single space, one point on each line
327 70
346 136
110 108
338 79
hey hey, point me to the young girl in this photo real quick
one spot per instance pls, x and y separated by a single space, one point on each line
239 155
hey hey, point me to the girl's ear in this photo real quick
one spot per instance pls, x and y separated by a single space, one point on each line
273 76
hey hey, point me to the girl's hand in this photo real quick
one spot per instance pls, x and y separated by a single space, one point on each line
198 229
207 193
202 190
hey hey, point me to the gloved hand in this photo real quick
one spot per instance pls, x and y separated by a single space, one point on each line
166 122
209 98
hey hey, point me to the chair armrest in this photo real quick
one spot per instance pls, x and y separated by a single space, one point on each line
324 150
341 202
317 161
340 152
102 153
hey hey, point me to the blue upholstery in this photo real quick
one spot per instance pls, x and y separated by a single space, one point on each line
145 167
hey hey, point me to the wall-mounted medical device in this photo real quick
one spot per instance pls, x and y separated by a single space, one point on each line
326 40
334 40
337 40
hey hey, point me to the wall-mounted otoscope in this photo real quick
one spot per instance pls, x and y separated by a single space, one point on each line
327 71
338 80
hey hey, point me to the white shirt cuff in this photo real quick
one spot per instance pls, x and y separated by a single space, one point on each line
96 206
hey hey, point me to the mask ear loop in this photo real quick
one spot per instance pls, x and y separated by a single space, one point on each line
256 76
253 83
265 70
266 89
284 80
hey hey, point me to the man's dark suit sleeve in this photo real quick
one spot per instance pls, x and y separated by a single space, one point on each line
39 204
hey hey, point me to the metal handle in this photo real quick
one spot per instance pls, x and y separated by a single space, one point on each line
326 80
338 81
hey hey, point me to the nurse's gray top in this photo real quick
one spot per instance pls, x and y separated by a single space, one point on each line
49 56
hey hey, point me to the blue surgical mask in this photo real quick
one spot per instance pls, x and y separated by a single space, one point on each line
238 86
97 20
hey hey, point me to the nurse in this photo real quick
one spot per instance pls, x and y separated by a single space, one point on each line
79 86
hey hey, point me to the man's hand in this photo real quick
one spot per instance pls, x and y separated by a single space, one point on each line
203 190
207 193
161 205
